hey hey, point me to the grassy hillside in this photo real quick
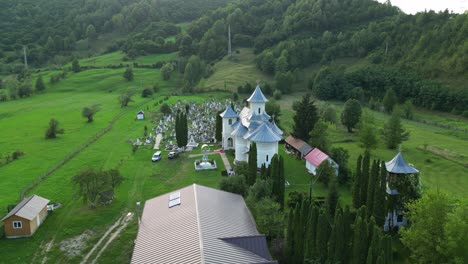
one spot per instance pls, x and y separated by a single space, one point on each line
235 71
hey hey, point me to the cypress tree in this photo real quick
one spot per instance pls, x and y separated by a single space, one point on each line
252 177
356 184
379 207
364 178
310 236
347 232
300 223
219 127
360 237
274 176
290 243
369 256
388 249
380 260
263 172
332 197
371 187
375 245
337 244
178 131
281 187
323 233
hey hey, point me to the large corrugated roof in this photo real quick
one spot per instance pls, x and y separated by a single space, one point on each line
199 230
228 113
28 208
257 96
316 157
275 128
399 165
263 134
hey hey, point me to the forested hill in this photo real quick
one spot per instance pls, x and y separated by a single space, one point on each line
404 51
313 31
51 28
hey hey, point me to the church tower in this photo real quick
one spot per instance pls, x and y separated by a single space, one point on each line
229 118
257 102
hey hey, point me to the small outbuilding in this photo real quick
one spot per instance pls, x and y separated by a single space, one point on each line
26 217
140 115
297 146
315 158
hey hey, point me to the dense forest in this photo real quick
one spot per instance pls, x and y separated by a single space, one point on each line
51 29
289 35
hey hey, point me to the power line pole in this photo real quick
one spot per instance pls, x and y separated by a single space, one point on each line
25 57
229 41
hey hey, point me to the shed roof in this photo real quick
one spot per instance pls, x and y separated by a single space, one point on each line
398 165
228 113
257 96
140 112
28 208
209 226
316 157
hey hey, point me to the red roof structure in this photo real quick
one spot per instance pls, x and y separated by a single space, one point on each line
316 157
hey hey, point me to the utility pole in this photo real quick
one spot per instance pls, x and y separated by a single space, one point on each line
25 57
229 41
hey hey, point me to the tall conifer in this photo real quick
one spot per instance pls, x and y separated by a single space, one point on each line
356 184
372 186
281 187
379 207
323 233
252 177
337 243
364 178
310 236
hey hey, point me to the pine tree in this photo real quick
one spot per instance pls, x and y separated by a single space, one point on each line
310 236
347 233
304 118
393 132
332 197
364 178
379 207
323 233
274 176
252 177
356 184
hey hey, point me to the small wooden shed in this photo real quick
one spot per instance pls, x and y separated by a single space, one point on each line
26 217
140 115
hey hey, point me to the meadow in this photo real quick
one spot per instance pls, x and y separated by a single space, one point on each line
440 154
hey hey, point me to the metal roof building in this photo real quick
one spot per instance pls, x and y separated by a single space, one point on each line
197 224
399 166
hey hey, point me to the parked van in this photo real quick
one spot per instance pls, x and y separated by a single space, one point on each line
156 156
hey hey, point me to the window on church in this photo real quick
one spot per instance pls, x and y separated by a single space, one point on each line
230 121
259 110
267 158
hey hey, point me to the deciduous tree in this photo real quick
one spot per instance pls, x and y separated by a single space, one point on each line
53 129
351 114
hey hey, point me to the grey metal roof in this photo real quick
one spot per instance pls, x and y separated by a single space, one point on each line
263 134
199 230
28 208
275 128
399 165
239 130
257 96
255 243
228 113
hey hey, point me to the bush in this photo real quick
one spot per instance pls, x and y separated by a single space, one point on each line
147 92
277 94
465 113
17 154
234 184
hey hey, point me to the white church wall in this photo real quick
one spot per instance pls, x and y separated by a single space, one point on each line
265 151
241 147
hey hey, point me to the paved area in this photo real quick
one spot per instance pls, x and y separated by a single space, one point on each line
227 165
158 141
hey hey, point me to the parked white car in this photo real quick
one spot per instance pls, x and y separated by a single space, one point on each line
156 156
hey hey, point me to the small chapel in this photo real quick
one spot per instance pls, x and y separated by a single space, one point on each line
252 124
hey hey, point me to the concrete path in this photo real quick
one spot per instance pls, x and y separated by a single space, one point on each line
227 165
158 141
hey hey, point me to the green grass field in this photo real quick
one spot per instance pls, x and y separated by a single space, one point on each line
116 58
235 71
437 152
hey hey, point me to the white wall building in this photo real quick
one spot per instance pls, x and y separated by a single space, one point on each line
251 125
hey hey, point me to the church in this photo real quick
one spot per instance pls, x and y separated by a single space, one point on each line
252 124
